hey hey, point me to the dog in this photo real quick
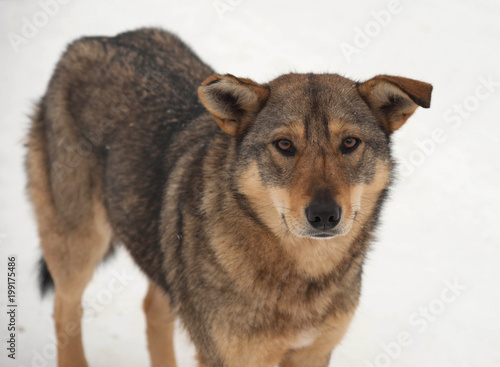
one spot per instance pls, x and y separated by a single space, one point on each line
250 207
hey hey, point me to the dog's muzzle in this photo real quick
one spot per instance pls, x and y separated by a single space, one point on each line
323 214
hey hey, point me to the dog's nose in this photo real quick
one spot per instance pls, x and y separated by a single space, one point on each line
323 214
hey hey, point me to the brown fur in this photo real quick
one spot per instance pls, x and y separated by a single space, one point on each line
159 327
121 151
71 255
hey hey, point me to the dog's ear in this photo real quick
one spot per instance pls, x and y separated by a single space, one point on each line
393 99
233 102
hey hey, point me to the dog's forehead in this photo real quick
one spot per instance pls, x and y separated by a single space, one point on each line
315 100
299 89
294 81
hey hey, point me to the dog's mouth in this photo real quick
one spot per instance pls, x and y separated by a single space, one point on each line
323 235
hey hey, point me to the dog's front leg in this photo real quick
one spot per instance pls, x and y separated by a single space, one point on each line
318 353
236 352
160 327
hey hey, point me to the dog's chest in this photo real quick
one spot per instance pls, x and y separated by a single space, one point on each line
304 338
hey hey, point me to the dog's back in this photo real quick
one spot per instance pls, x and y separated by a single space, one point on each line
112 108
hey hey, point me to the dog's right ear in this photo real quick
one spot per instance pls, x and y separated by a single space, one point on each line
233 102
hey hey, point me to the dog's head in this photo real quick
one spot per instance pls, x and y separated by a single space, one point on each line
313 150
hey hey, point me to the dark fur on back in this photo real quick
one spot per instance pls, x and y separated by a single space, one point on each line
143 97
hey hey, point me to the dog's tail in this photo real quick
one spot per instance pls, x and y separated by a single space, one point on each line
45 281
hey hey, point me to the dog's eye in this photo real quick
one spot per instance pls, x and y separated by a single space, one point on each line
285 147
349 144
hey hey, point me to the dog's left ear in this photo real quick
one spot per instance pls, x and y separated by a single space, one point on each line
233 102
393 99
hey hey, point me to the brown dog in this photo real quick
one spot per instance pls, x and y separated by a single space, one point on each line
253 232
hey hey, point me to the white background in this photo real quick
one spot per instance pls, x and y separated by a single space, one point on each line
441 223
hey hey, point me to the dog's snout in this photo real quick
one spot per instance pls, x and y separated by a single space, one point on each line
323 214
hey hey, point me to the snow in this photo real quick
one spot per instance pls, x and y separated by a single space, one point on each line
438 248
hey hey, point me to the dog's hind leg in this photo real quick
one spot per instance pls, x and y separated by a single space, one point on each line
71 259
70 252
160 327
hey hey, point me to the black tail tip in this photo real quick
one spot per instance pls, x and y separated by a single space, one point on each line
45 281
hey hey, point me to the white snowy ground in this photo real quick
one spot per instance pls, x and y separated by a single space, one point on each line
440 227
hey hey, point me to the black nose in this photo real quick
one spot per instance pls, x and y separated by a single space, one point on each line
323 213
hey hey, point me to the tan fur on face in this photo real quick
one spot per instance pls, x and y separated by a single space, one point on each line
313 257
364 195
316 169
340 129
294 131
313 172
